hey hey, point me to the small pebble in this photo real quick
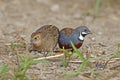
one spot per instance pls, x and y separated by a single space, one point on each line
93 39
100 66
55 7
100 33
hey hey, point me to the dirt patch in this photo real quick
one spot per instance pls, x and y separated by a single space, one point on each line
22 17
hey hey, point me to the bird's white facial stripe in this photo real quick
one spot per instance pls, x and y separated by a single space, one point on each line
84 33
81 37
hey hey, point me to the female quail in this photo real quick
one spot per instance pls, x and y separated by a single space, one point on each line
44 39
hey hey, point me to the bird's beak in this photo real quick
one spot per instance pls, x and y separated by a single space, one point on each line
32 42
89 32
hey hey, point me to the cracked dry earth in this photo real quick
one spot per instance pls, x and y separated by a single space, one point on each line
22 17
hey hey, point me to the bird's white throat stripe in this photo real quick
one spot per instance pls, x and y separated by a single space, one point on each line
84 33
81 37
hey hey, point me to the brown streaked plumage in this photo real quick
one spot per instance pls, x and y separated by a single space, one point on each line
44 39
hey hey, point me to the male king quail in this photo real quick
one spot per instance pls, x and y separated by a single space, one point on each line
44 39
76 36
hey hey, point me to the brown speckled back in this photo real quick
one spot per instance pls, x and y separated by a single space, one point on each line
67 31
48 38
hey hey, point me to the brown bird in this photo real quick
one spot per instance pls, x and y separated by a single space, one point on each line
44 39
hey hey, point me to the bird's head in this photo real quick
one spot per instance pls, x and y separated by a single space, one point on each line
36 40
83 31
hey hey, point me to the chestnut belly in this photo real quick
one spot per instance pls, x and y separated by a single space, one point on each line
69 46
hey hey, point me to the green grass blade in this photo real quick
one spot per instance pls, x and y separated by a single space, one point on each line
97 6
78 52
4 69
82 66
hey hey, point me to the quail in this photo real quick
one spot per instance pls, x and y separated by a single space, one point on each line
76 36
44 39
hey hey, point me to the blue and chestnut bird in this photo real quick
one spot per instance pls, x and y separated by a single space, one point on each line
76 36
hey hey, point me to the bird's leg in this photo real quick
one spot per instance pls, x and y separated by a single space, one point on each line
57 50
72 50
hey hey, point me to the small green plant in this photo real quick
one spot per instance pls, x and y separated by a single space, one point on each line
96 75
19 71
4 71
117 55
84 16
97 7
66 58
85 62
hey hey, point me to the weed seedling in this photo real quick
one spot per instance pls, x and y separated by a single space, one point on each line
85 62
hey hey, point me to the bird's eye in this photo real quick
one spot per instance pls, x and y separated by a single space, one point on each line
37 37
85 30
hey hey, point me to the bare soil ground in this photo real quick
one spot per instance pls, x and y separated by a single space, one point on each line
22 17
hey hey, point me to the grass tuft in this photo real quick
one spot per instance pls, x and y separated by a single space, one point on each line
24 63
85 62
